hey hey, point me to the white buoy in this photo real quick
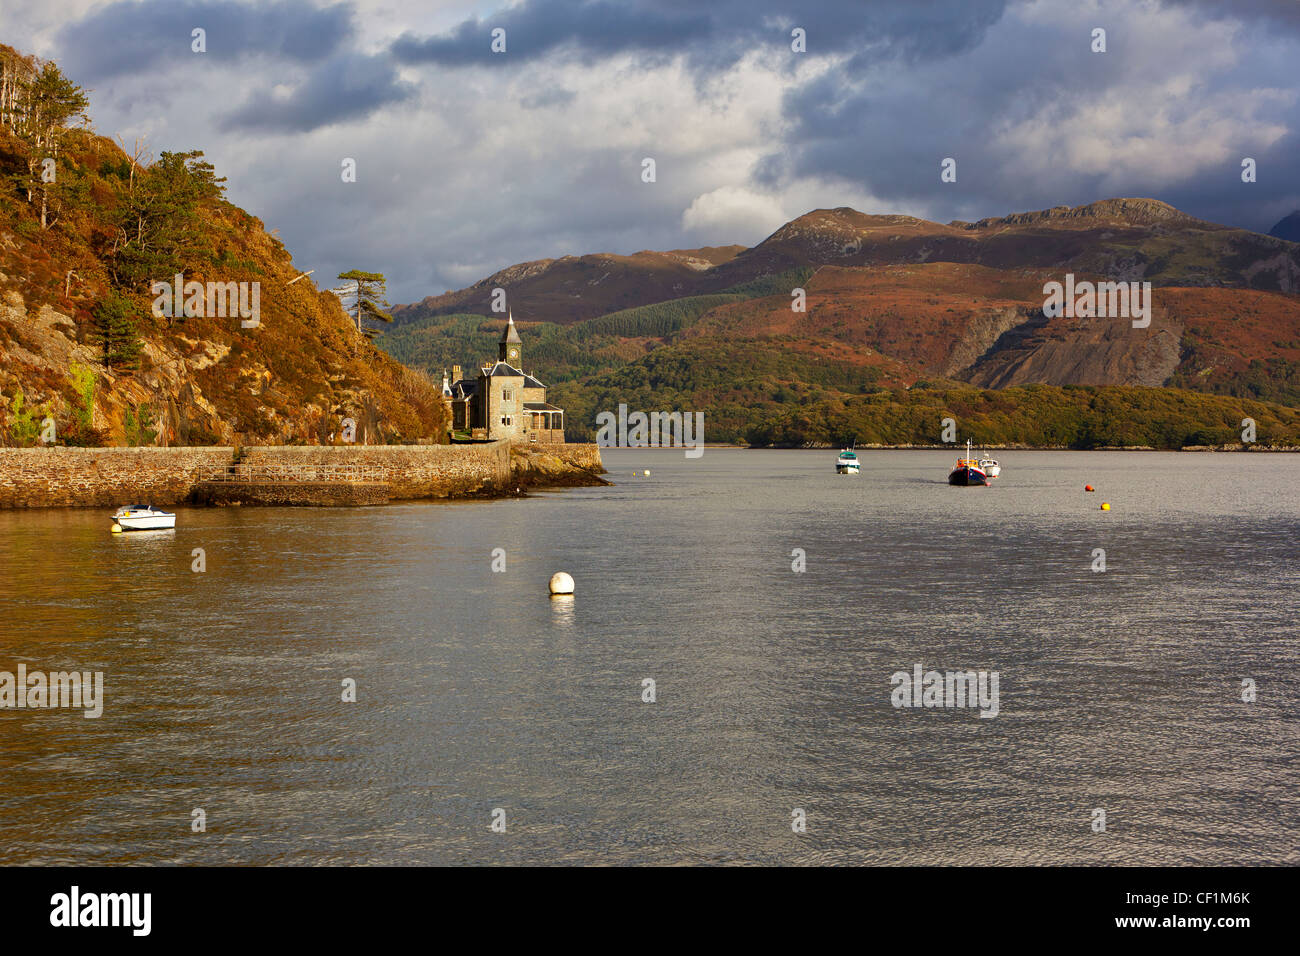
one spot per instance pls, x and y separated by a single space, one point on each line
116 529
647 472
561 583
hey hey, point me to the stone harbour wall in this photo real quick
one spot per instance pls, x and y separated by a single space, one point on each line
410 471
317 494
102 477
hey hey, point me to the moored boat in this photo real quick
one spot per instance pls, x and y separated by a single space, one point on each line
847 463
142 518
967 471
990 467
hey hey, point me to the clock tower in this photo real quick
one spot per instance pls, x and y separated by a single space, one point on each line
511 348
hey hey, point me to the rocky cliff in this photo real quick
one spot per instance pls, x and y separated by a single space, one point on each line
90 351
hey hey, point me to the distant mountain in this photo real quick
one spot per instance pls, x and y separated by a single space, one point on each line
985 326
574 288
896 303
1287 228
1121 239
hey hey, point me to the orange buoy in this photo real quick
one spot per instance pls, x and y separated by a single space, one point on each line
1089 488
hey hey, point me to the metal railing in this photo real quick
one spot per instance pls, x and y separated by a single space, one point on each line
295 473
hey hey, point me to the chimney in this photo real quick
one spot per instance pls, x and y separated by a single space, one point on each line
455 373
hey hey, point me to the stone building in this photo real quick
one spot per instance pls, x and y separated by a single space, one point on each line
503 401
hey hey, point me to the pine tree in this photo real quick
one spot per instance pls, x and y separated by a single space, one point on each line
114 327
160 230
37 101
367 298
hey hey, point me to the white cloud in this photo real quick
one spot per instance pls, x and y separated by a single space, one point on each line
735 211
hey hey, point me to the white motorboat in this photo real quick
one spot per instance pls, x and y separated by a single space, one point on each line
142 518
847 463
990 467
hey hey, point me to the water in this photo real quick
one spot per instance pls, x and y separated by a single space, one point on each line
1118 690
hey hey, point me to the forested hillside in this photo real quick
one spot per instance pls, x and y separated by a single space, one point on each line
795 340
86 230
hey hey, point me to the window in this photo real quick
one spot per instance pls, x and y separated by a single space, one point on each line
507 394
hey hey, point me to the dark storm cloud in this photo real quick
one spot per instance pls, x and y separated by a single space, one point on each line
345 87
888 129
537 27
715 34
1277 12
922 81
1221 196
127 37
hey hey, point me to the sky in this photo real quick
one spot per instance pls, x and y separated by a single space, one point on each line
469 160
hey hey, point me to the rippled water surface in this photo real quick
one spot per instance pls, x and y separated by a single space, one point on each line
1119 690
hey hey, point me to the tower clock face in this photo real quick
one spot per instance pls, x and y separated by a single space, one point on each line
514 353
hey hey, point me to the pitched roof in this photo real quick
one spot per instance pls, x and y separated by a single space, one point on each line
511 334
501 368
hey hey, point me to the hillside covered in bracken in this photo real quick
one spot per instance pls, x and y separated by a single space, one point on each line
86 228
908 309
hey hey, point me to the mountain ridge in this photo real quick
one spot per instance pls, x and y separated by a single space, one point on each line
1288 227
897 302
1120 238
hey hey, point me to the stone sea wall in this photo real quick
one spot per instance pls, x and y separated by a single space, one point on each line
317 494
411 471
101 477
